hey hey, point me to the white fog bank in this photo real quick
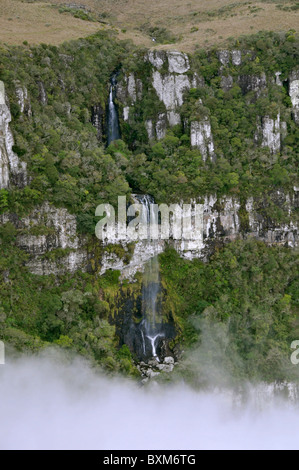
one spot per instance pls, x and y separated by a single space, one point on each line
49 404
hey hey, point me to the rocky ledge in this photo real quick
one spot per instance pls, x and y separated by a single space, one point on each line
153 368
49 235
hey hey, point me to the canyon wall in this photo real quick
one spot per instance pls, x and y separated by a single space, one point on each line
49 235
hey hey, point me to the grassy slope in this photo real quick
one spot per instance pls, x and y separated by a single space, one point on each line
39 22
198 23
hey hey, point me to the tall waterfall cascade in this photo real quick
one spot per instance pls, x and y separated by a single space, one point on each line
113 130
151 325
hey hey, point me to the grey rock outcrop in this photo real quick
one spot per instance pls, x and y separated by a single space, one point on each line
270 133
154 368
98 120
161 126
294 94
227 82
225 56
253 83
178 62
49 235
156 58
174 61
278 79
150 129
271 129
201 138
43 98
126 113
143 252
23 99
236 57
12 170
220 223
170 81
266 230
197 81
129 89
43 232
170 89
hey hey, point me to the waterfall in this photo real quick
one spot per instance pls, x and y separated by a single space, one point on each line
153 340
113 131
151 322
150 326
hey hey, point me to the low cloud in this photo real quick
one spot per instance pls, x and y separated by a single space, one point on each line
52 403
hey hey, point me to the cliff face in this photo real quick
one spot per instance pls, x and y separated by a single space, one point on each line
216 129
294 93
12 170
49 235
171 77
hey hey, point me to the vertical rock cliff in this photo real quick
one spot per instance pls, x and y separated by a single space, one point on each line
12 170
294 94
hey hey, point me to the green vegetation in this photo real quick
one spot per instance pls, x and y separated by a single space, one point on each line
81 13
69 167
69 311
247 293
225 11
245 301
288 7
240 311
170 170
158 34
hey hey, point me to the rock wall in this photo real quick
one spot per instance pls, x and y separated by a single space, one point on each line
226 56
98 120
225 220
294 93
170 76
23 98
12 170
50 238
49 235
252 83
169 79
43 98
273 131
202 138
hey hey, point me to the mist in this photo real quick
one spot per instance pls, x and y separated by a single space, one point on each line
48 402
